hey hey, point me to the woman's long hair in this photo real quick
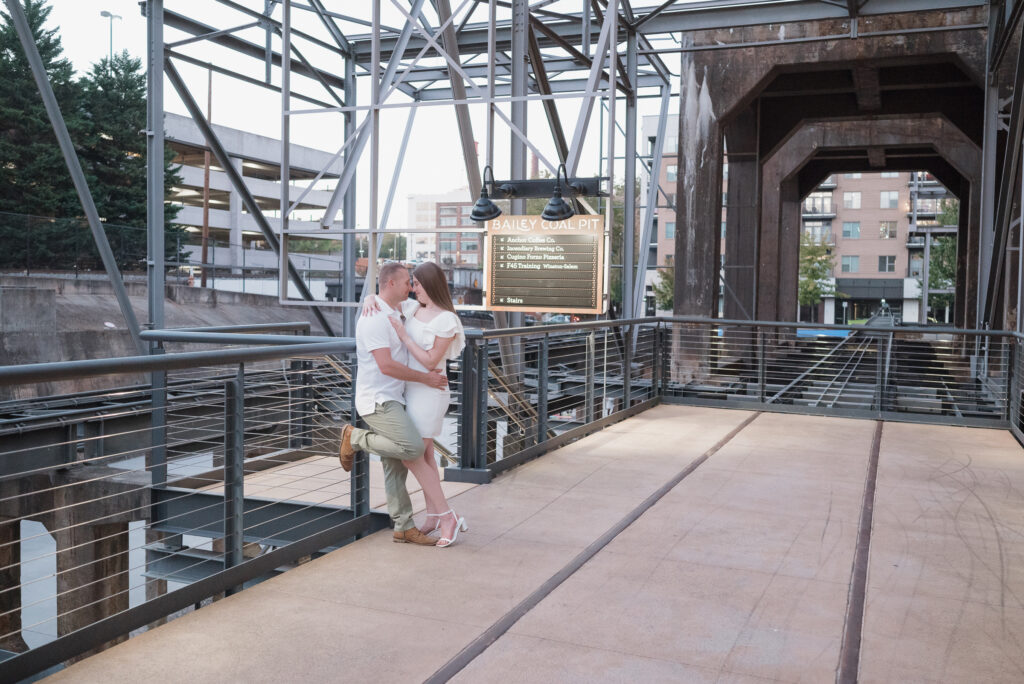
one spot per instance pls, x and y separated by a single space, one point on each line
431 277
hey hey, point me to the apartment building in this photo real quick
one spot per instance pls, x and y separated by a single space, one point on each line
876 224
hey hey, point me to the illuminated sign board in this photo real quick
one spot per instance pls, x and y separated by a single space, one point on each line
545 266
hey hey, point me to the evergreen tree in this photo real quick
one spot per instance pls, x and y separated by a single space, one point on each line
34 179
114 156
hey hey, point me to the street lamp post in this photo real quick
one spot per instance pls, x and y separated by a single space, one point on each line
111 17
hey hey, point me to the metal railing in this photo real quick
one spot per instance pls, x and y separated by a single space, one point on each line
530 390
141 502
121 506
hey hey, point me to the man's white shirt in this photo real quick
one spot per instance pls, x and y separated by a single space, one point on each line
372 386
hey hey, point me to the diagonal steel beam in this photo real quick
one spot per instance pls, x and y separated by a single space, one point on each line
451 45
316 74
363 135
544 87
587 107
188 25
571 49
238 183
652 201
67 148
331 27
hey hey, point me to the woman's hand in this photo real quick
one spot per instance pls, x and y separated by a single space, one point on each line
399 328
370 305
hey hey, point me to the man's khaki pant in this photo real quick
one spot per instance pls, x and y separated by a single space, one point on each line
394 438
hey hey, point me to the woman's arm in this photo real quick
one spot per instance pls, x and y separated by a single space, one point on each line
428 357
370 305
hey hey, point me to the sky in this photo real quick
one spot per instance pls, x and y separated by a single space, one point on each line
433 162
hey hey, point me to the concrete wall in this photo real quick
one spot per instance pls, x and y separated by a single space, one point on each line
66 319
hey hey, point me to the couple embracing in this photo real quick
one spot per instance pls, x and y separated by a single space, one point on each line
402 393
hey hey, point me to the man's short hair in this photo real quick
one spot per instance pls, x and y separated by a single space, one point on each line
389 271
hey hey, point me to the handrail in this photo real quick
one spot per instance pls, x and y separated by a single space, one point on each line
302 326
66 370
476 333
233 338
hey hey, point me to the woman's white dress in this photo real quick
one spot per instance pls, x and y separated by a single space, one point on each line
426 405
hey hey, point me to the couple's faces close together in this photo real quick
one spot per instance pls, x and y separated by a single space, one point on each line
410 284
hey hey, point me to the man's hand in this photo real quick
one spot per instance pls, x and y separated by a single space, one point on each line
437 379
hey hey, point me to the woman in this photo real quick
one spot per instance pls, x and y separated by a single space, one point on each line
433 334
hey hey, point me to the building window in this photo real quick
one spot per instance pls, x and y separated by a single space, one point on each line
887 230
890 174
851 230
818 203
449 220
818 231
447 245
886 264
889 199
723 230
670 229
851 264
469 246
672 172
852 176
449 211
851 200
725 198
467 210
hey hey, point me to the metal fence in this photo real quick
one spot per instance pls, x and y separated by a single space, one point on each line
123 506
533 389
529 390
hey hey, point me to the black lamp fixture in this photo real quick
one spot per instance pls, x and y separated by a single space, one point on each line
557 209
485 209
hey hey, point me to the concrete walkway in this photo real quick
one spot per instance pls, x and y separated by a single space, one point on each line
740 573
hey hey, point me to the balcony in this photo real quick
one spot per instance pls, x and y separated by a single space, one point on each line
818 210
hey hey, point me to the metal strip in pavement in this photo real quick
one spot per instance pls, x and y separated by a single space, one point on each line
505 622
849 656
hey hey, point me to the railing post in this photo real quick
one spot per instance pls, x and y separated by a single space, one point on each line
659 333
359 484
588 382
157 456
234 466
542 390
467 405
481 408
762 366
878 377
1012 359
627 368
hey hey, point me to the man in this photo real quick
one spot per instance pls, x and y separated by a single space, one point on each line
380 401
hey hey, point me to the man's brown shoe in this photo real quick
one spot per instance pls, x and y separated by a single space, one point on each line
413 536
345 450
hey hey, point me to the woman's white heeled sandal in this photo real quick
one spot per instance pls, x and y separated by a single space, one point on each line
460 525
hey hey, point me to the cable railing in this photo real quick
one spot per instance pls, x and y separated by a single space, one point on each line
223 471
538 388
121 507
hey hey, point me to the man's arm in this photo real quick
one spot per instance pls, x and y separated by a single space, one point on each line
393 369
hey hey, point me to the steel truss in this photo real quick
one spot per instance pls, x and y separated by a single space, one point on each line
500 55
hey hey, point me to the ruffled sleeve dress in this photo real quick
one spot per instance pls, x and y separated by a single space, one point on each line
426 405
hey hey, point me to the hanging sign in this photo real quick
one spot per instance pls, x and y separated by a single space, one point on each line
545 266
